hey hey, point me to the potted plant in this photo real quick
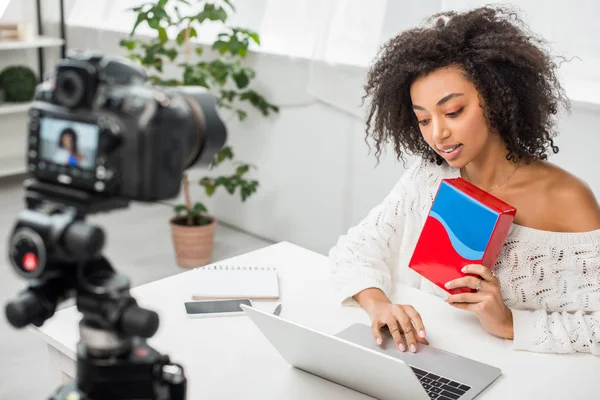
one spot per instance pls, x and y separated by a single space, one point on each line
225 75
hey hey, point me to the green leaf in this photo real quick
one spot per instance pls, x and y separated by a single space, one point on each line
196 75
241 79
228 95
255 37
199 208
199 51
162 35
180 208
128 44
221 46
224 154
259 102
171 53
210 190
242 169
141 18
180 37
221 181
162 3
242 115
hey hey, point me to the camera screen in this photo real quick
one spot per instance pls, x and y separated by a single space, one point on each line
68 143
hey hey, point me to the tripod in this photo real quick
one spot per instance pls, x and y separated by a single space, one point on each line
60 255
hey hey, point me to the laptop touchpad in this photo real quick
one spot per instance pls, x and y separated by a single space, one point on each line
427 358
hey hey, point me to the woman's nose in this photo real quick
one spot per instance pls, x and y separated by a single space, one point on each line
440 132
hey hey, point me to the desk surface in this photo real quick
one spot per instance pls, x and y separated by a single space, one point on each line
226 358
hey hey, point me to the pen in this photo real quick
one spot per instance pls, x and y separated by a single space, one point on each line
277 310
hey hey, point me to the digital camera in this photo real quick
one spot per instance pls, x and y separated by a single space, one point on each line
98 126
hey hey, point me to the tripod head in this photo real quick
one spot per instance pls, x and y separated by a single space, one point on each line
54 248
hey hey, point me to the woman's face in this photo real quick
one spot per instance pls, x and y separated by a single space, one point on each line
67 142
450 114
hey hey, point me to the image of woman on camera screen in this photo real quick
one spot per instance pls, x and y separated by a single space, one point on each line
67 152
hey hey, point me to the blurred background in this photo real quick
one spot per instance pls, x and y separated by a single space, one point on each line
289 76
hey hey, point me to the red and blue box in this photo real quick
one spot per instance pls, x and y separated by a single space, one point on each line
465 225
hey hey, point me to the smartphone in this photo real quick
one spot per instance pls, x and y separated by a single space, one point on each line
215 308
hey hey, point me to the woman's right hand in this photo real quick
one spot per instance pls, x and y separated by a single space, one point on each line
398 319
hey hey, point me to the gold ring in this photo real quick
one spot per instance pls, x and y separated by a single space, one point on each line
407 330
491 277
394 330
478 286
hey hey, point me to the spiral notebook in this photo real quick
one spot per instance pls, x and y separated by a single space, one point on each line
235 282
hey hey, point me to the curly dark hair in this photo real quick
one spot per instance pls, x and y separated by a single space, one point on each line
508 65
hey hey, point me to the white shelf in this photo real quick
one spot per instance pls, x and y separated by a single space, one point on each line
14 108
40 41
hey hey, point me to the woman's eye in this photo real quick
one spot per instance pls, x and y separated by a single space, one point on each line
423 122
455 113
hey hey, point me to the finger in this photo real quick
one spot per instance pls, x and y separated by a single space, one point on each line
465 298
395 328
466 281
407 328
415 317
478 269
464 306
376 331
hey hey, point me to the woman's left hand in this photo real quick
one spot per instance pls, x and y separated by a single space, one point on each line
486 303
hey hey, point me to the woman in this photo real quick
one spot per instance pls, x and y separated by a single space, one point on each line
474 96
67 153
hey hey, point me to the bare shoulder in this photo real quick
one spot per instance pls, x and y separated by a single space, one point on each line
577 209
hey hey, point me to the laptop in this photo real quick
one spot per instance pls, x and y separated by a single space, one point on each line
353 359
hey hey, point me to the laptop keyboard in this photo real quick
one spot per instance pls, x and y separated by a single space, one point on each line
439 388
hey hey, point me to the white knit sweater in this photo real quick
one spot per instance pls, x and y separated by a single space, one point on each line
550 280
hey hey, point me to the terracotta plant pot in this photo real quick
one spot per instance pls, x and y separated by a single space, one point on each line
193 244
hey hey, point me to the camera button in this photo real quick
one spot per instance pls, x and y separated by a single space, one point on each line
99 186
65 179
32 154
100 172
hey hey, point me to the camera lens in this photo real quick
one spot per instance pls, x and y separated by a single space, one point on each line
70 88
209 133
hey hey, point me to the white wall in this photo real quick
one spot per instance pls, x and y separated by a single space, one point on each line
316 176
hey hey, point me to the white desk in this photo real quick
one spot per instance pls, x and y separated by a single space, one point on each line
228 358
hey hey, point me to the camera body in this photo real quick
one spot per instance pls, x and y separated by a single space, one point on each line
100 128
